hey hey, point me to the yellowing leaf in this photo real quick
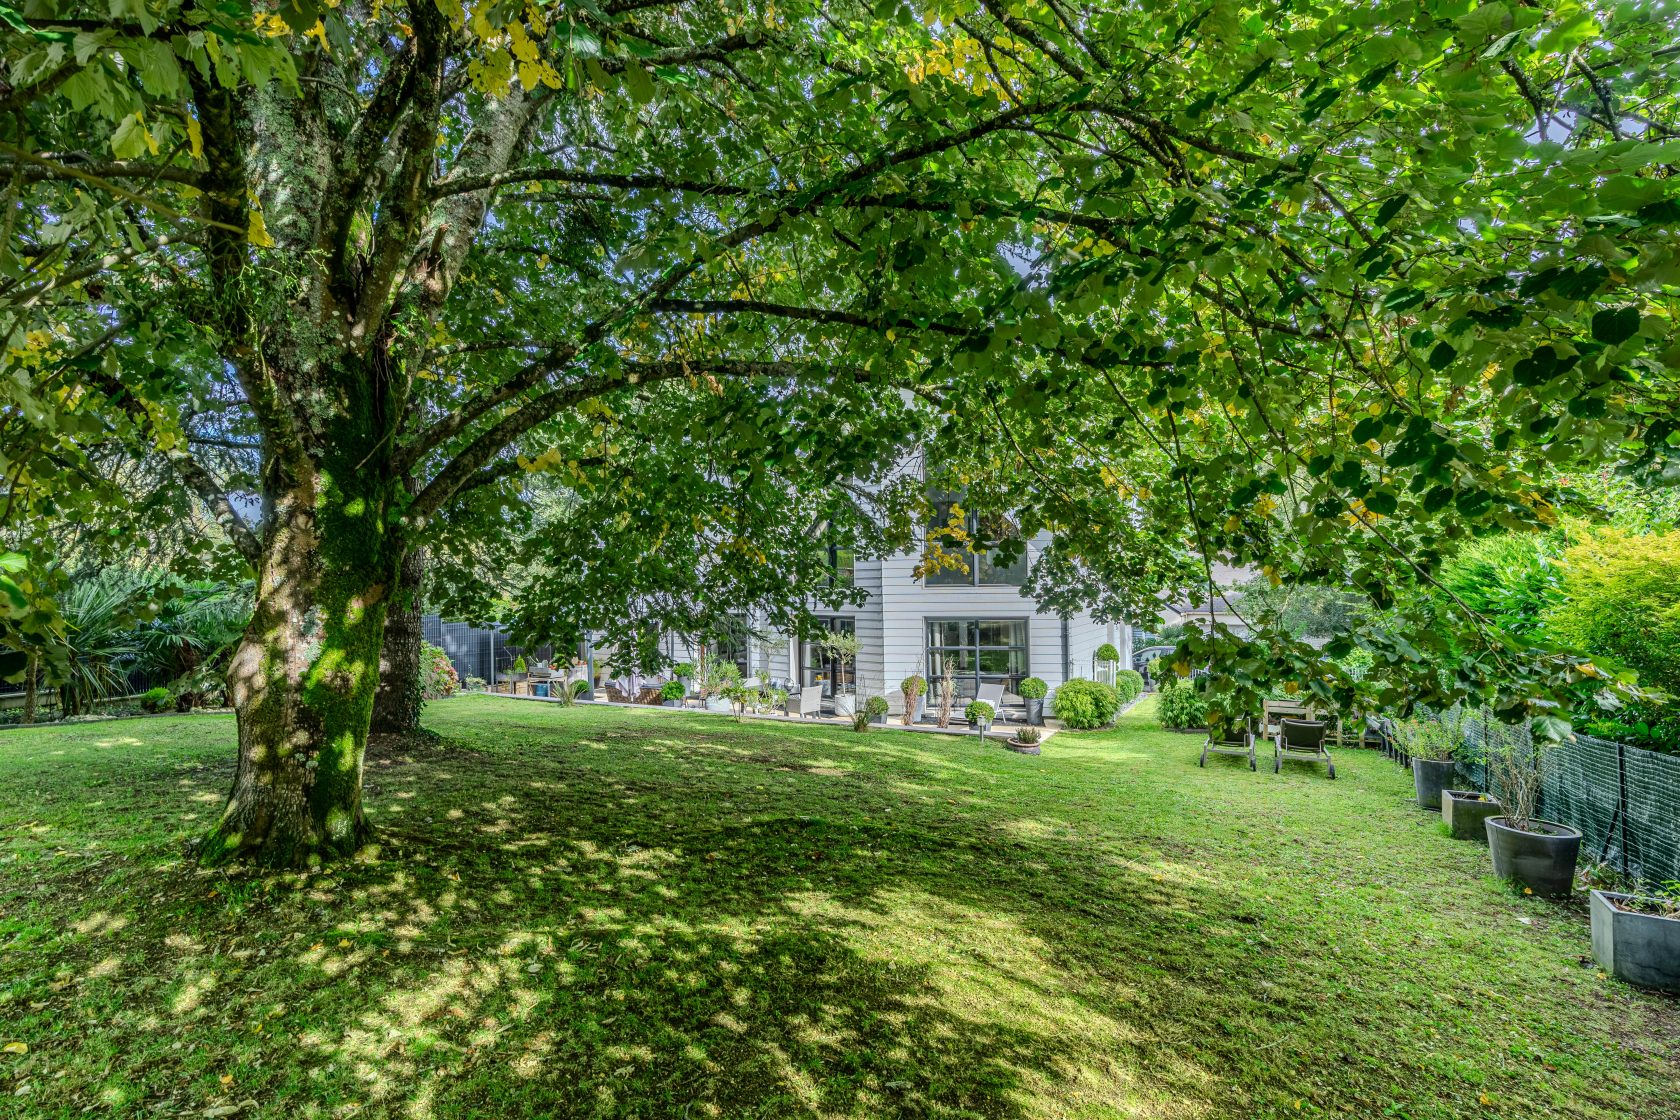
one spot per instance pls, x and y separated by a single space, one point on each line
195 137
15 1048
257 232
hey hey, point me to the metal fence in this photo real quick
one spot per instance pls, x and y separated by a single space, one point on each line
474 650
1625 801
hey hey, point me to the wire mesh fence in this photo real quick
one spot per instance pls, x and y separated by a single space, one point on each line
1625 801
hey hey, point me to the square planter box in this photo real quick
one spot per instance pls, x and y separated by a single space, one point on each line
1465 810
1643 949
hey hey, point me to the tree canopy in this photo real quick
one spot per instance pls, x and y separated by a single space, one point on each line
1319 288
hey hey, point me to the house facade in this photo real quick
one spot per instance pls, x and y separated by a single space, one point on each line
980 620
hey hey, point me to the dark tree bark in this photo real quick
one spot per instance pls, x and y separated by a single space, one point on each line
303 678
397 703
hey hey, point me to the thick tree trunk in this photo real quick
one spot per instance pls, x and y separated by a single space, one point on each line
303 678
396 706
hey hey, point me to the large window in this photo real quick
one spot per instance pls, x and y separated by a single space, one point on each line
983 568
981 651
817 665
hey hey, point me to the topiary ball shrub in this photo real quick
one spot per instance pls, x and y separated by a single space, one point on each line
876 707
979 712
1033 689
1084 705
1130 684
1107 652
155 700
1181 704
672 690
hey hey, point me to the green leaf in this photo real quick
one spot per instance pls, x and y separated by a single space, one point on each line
1615 325
638 82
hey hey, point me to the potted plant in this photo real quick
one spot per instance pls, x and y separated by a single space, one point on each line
1465 812
672 693
518 674
979 714
1536 853
914 688
720 677
1431 746
844 649
876 708
1107 652
1033 691
1026 740
1636 938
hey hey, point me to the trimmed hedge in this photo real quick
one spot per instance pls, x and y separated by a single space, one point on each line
1130 684
1083 705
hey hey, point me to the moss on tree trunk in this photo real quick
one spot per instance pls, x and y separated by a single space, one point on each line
303 678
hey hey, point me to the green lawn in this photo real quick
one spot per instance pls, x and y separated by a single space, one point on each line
599 912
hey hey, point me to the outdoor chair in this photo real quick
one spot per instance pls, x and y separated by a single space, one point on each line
1302 740
1237 740
992 694
806 702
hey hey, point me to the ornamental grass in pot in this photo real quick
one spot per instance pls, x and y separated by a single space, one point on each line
1537 854
1432 746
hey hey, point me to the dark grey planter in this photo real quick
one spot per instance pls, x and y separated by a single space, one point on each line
1035 711
1023 748
1465 813
673 703
1643 949
1431 777
1542 861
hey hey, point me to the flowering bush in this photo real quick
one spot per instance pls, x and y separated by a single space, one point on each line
437 676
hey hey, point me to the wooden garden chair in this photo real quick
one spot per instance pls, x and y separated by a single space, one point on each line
1231 740
1302 740
1273 711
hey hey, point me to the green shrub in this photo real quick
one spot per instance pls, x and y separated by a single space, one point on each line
672 690
683 670
519 664
1107 652
156 700
978 711
1082 704
1130 684
876 707
1032 688
1181 704
1622 599
1028 735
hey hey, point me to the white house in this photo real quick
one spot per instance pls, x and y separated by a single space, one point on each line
979 619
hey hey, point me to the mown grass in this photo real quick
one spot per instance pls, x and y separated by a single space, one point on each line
600 912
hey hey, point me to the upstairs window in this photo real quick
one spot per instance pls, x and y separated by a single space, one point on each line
958 530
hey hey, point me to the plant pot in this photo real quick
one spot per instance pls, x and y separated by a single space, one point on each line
1643 949
1465 811
1023 748
845 704
918 709
1035 711
1431 776
673 703
879 721
717 704
1542 861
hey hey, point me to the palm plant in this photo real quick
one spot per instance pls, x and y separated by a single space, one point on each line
101 645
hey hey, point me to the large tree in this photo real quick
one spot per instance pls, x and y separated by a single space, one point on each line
1212 281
